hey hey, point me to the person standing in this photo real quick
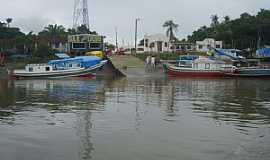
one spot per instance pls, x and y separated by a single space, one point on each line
153 62
148 61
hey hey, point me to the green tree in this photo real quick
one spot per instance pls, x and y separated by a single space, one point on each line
110 46
240 33
71 31
227 19
215 21
43 51
83 30
171 29
54 30
53 33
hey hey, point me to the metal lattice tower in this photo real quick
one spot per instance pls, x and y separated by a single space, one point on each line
80 15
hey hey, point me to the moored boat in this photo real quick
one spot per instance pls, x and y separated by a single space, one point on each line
243 67
199 67
82 66
250 72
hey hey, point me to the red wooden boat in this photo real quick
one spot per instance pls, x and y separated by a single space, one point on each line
200 67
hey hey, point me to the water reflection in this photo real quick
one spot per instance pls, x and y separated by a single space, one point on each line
56 96
84 126
80 94
228 100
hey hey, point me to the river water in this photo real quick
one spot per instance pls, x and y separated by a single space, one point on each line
135 119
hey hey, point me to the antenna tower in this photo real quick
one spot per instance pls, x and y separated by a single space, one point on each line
80 15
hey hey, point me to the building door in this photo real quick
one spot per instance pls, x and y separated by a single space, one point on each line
159 46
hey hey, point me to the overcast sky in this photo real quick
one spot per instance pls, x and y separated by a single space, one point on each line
105 15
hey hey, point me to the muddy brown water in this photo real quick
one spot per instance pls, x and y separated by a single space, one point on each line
135 118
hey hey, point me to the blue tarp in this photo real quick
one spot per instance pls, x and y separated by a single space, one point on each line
222 52
263 52
85 61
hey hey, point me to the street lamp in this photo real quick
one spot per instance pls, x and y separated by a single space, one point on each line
136 32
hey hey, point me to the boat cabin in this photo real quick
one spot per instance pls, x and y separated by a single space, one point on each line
204 63
38 68
186 61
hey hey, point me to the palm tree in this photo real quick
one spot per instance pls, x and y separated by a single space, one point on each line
54 30
9 20
215 21
227 19
53 33
171 28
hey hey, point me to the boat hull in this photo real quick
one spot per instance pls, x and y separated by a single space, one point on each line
251 72
80 72
176 71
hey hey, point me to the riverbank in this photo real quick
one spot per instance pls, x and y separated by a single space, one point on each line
131 66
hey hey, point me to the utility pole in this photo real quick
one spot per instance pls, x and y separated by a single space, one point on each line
259 37
116 39
136 32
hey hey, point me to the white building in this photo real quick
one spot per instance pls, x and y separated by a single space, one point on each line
156 43
207 44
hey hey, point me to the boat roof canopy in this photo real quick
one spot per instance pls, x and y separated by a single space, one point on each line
76 59
264 52
187 58
62 55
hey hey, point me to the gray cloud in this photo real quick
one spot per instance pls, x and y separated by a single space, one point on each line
105 15
35 24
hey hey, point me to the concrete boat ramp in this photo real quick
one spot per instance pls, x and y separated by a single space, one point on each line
132 67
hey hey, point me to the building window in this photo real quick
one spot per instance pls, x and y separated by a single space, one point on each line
78 46
207 66
56 45
95 45
166 44
200 46
188 47
146 42
218 46
152 45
